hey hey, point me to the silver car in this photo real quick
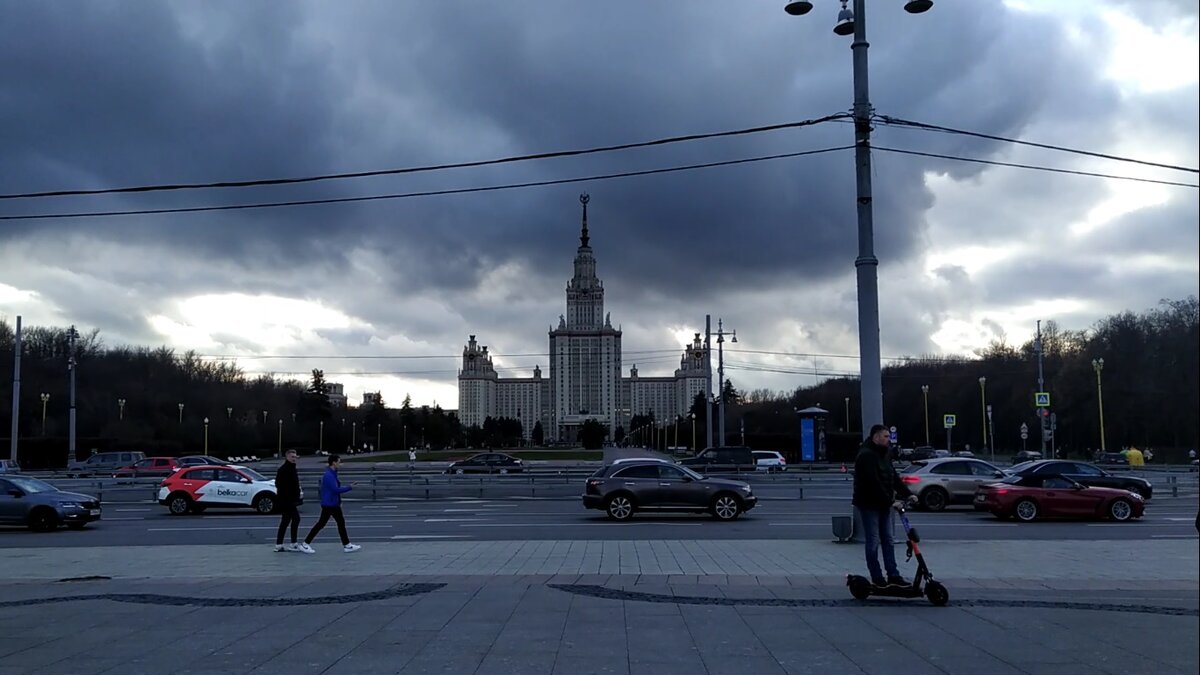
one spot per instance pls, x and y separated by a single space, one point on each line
940 482
38 505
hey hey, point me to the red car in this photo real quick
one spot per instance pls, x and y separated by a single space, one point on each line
1028 498
151 467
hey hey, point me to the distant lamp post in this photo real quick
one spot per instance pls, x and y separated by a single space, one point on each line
321 436
293 418
925 393
181 413
1098 365
379 436
983 409
229 413
206 435
847 414
353 433
692 417
45 400
265 416
120 409
279 447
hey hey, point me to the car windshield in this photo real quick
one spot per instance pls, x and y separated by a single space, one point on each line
252 474
31 485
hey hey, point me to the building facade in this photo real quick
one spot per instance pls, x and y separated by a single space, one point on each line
585 370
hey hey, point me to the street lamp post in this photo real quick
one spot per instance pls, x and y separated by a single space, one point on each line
45 400
847 414
206 435
279 447
925 394
991 432
353 434
866 264
181 413
692 416
229 412
120 409
721 378
1098 365
379 437
265 412
983 410
321 436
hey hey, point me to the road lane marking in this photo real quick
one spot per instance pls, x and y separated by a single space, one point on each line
430 536
456 520
612 525
238 529
1173 536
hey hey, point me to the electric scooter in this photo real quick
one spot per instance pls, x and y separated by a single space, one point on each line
923 583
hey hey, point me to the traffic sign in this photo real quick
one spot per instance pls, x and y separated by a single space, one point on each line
1024 428
949 421
1041 399
892 433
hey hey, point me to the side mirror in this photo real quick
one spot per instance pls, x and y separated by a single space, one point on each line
998 474
1077 486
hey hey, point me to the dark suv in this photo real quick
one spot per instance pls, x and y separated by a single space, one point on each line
713 460
654 485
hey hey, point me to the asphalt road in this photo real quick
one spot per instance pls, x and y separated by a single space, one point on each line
146 524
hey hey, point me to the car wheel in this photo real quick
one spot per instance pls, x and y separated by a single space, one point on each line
504 471
726 507
934 499
1026 510
937 594
179 504
43 520
620 507
1120 510
264 503
459 471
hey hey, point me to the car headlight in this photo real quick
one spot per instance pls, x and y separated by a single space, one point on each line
746 489
70 505
1137 496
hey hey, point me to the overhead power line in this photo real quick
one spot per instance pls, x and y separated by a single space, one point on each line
426 193
897 122
1033 167
435 167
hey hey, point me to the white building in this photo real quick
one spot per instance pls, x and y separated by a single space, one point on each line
585 371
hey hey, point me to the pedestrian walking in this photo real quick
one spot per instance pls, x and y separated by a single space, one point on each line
331 507
287 499
876 487
412 458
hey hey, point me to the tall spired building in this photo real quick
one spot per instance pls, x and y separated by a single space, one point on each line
585 370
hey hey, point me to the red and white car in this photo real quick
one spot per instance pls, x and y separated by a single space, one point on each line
195 488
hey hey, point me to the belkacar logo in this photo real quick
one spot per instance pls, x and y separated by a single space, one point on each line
226 492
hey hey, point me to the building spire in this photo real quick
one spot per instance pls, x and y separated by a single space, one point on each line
583 237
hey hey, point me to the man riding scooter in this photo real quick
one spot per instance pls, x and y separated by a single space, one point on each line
876 487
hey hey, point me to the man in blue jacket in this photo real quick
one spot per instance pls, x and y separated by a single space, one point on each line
331 507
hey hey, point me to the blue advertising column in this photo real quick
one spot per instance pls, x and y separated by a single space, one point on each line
812 434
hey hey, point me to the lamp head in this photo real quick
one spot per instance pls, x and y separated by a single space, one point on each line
918 6
798 7
845 24
982 380
734 336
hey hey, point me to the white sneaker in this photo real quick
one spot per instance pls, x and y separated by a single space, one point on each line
351 548
279 548
305 548
291 548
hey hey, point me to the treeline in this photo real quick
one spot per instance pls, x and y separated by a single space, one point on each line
1150 381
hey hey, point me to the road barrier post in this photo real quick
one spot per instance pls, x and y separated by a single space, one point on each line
1174 483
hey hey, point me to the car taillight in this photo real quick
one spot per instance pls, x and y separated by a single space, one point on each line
911 479
999 491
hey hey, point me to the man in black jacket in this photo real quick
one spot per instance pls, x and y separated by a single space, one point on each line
876 487
287 496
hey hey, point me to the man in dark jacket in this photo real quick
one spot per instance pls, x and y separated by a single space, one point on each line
287 496
876 487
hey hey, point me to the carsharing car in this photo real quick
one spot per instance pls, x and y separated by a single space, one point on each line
194 489
620 490
40 506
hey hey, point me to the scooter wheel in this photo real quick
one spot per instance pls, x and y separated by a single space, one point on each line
937 594
860 588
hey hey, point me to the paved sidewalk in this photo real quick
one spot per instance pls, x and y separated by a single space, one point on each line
1165 563
516 625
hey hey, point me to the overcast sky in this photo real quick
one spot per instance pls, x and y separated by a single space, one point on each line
109 94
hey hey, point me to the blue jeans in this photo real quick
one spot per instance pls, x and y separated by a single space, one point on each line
877 526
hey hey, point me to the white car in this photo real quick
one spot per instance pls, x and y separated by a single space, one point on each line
193 489
769 460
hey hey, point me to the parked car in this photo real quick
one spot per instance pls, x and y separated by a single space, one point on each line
1034 496
487 462
193 489
769 460
200 460
1111 458
938 483
921 452
963 453
620 490
150 467
731 458
9 466
40 506
1026 456
103 464
1088 474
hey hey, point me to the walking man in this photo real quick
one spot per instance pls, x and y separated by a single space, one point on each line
876 487
287 497
331 507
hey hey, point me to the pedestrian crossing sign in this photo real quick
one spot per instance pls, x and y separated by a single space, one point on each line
949 421
1041 399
